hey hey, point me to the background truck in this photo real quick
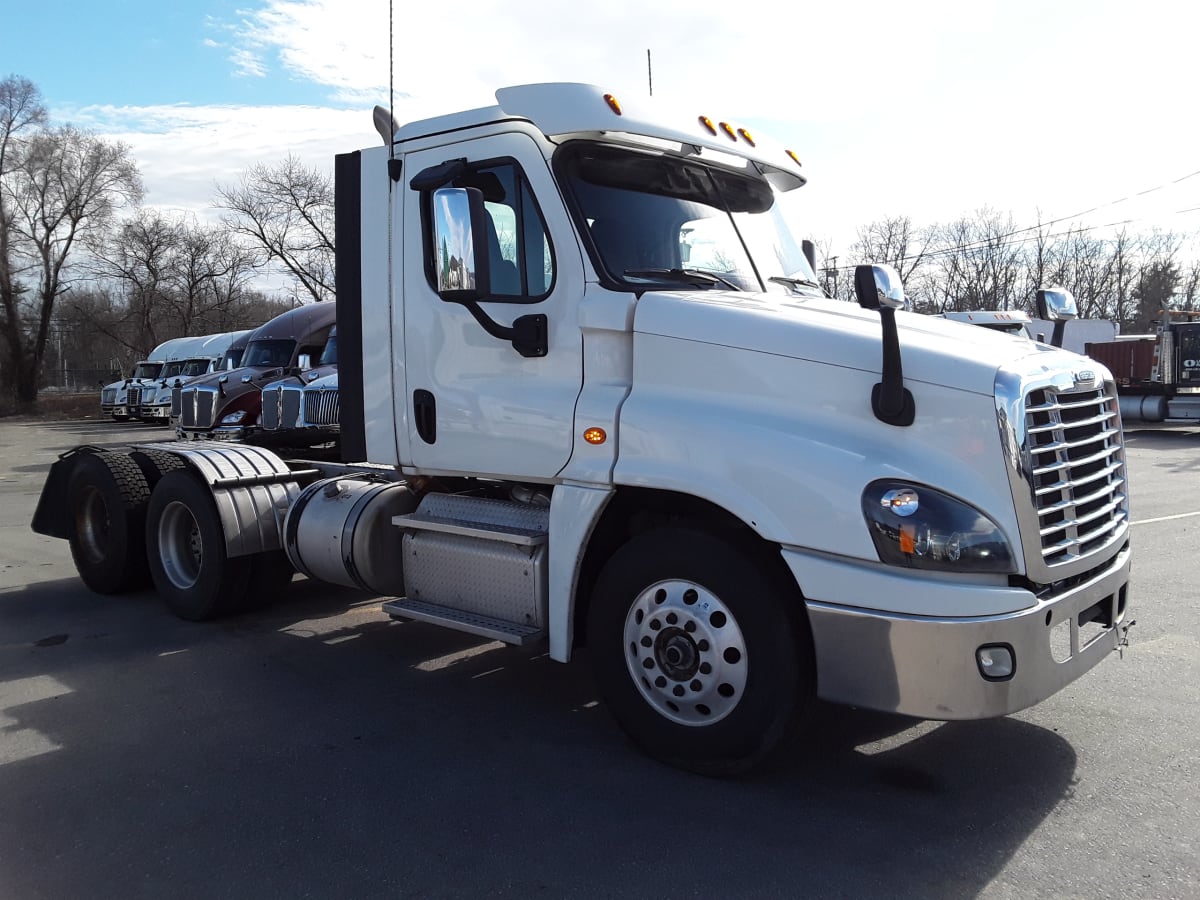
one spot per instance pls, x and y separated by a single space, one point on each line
227 405
1157 375
301 409
1008 321
191 358
114 398
578 429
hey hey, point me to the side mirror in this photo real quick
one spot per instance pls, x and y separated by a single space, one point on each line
1058 306
304 362
878 287
460 244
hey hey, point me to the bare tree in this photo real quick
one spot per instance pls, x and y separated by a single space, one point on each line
286 211
21 112
60 185
138 258
896 242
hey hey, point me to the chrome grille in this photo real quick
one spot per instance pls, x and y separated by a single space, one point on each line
196 407
321 407
135 397
270 407
1076 470
289 402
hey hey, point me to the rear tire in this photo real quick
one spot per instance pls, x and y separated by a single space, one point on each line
185 544
702 654
107 493
156 463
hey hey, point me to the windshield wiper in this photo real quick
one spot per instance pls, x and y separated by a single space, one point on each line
796 282
697 277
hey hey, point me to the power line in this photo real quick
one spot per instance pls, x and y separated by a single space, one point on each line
990 242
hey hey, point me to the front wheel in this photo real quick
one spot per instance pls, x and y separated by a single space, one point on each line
185 544
701 653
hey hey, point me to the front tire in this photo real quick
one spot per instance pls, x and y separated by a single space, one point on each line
185 544
700 651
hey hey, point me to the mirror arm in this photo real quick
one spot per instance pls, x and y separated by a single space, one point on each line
891 401
528 334
1060 329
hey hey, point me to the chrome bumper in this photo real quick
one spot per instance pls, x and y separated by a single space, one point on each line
927 667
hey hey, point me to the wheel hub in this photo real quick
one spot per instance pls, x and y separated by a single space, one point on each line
676 654
685 653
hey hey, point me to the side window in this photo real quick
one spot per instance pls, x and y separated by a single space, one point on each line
520 258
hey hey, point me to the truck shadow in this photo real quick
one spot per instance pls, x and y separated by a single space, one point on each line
320 749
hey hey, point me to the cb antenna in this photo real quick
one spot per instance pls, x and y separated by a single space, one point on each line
385 119
649 73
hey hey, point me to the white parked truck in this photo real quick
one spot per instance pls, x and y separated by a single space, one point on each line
603 401
194 358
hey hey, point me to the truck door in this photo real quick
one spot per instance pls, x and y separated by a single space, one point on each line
475 405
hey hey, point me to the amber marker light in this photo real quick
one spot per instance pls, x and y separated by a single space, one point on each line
728 129
794 157
595 436
707 123
746 136
612 103
908 539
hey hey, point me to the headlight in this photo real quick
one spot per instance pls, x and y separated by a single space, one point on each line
920 528
234 417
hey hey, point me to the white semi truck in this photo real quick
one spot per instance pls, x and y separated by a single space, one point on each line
580 429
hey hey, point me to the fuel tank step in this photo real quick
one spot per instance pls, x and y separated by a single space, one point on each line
462 620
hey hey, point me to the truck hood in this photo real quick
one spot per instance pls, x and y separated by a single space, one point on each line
836 333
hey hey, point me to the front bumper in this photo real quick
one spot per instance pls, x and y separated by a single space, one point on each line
927 666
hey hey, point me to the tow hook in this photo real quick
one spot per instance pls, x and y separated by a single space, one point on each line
1123 641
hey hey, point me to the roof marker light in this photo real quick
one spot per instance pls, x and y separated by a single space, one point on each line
707 123
794 157
746 136
595 436
612 103
728 129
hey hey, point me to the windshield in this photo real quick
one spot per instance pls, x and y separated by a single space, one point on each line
146 370
172 369
661 219
329 354
269 354
194 367
232 358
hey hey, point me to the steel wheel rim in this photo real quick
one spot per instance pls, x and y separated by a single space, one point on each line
685 653
93 524
181 548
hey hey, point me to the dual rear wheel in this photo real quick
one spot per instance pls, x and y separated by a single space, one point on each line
145 517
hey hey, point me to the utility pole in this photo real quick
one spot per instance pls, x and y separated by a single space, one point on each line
831 277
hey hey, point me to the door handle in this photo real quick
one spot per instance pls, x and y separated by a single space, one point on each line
425 415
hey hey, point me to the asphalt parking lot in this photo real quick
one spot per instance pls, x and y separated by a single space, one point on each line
318 749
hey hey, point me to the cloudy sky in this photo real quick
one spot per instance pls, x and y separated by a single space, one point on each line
930 108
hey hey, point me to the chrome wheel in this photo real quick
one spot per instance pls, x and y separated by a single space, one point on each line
181 548
685 653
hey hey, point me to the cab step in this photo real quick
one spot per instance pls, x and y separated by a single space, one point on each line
477 565
461 620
